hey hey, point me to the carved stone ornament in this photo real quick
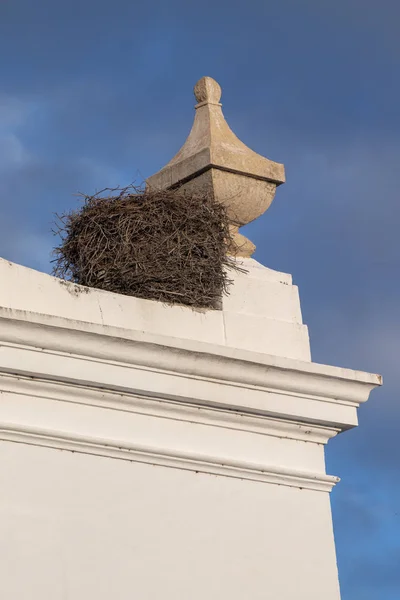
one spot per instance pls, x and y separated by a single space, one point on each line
214 161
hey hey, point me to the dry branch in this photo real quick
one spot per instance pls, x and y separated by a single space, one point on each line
168 246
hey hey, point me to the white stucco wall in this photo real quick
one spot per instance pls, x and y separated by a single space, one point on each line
157 452
262 312
78 527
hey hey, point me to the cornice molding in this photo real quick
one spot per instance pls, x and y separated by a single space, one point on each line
187 357
165 409
72 367
55 349
157 456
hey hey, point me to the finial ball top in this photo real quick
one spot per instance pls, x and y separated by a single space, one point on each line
207 90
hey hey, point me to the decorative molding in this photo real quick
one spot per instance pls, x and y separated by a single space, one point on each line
157 456
185 357
173 385
166 409
83 376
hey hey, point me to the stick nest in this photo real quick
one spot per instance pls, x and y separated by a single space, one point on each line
168 246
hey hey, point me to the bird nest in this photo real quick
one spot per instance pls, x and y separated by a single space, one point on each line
168 246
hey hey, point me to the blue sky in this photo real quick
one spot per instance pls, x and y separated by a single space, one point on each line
99 92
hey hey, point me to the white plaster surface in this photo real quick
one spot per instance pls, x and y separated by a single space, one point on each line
155 452
78 527
261 313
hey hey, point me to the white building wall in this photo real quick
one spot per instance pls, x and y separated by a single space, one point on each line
154 452
76 527
261 314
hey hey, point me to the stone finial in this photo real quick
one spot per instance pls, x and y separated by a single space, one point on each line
207 90
213 160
